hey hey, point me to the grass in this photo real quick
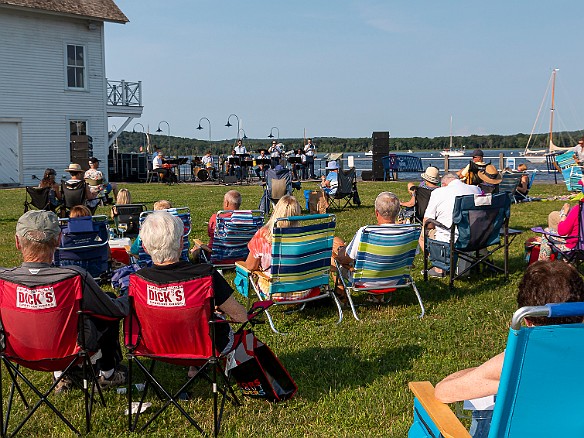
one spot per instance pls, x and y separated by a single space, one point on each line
352 377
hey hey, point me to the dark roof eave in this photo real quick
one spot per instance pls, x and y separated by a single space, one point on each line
120 20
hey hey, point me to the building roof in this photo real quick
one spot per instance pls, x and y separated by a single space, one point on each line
105 10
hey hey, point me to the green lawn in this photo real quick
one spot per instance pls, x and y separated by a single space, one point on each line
352 377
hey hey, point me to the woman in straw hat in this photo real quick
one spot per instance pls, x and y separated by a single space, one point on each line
430 181
490 179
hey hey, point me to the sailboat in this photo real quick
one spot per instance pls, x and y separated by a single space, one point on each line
539 156
450 152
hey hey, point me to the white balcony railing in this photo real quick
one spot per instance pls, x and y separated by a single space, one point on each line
124 93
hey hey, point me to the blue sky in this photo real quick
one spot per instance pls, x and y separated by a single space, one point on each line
346 68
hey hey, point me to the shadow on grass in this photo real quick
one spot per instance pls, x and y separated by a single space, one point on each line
323 370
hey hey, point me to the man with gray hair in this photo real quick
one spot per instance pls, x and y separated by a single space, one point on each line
387 206
162 238
231 201
441 207
37 237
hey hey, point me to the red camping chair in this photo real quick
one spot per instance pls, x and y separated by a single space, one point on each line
175 323
40 332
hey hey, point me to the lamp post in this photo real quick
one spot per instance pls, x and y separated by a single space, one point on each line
143 132
168 134
200 127
229 124
272 135
244 136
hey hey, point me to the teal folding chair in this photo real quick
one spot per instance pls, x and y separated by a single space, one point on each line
571 172
300 271
540 391
384 259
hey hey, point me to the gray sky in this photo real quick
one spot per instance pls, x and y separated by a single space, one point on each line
346 68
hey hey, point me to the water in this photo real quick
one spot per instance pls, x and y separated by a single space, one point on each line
429 158
433 158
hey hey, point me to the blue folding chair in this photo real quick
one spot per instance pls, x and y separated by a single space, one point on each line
184 213
540 391
301 258
84 242
233 231
480 227
384 259
571 172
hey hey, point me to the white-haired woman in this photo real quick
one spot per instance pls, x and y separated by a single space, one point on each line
162 238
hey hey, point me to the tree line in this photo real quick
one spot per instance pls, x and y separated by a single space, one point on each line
132 141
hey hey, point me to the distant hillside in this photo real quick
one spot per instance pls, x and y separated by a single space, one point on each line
130 142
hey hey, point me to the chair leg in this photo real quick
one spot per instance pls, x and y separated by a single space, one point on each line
350 299
338 304
419 299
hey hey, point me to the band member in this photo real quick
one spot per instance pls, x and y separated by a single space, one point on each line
261 168
275 153
164 169
209 165
233 167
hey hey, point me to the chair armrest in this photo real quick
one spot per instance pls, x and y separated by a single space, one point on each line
443 417
241 266
436 223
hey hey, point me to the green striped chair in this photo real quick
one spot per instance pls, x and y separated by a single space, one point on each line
301 257
384 259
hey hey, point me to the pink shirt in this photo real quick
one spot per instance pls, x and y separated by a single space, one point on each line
569 226
260 248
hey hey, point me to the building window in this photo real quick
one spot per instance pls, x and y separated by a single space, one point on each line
77 127
75 66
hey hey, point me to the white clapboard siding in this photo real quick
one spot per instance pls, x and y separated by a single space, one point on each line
33 87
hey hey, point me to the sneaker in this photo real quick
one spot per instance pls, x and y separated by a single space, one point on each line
64 385
434 273
118 378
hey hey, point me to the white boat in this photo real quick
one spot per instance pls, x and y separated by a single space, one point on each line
410 151
369 153
450 151
539 156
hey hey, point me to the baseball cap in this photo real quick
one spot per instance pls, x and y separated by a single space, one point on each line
46 222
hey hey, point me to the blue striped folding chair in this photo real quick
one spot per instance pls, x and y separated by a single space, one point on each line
540 362
233 232
384 259
301 258
184 213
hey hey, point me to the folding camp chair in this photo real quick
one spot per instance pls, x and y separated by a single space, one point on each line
524 197
422 197
540 362
184 213
40 332
278 184
478 224
301 262
346 194
575 255
571 172
175 323
39 199
384 259
84 242
509 184
128 214
233 232
74 194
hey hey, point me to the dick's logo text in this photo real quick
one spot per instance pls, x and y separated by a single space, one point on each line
169 296
42 298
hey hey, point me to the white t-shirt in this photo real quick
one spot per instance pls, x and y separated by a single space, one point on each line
240 150
157 162
441 205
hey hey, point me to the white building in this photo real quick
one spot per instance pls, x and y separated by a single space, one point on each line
54 95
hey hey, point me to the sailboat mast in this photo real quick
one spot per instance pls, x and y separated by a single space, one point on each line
551 142
450 147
